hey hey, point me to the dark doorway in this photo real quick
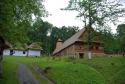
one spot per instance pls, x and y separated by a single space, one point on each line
24 52
81 55
11 52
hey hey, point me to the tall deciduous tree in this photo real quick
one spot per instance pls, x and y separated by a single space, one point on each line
109 41
96 13
16 18
121 37
39 33
48 34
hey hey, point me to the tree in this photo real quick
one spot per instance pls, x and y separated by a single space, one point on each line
96 13
48 34
3 46
67 32
39 33
109 41
121 37
62 33
16 18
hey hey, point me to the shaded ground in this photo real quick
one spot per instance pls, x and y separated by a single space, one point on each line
25 76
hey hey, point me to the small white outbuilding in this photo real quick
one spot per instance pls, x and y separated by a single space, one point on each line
19 52
34 49
6 52
15 51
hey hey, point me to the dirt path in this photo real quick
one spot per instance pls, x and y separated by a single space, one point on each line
25 76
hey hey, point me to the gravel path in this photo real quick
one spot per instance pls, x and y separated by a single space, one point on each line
25 76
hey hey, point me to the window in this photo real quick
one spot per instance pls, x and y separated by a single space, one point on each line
11 52
24 52
80 47
97 47
81 55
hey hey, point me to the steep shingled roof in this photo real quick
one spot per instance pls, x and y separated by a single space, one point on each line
19 46
70 41
35 45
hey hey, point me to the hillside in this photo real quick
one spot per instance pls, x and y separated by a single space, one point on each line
102 70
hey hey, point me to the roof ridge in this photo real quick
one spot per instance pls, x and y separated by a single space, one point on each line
70 41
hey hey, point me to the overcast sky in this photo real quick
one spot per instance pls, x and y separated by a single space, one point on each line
60 18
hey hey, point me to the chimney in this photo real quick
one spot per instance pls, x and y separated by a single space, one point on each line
59 44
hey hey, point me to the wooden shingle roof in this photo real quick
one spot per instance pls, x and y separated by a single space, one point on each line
35 46
19 46
70 41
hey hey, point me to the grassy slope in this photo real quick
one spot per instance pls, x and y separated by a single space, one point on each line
95 71
112 70
119 77
68 73
108 67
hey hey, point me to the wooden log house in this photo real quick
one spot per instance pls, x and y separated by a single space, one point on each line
76 46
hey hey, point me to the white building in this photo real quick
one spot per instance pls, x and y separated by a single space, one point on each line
34 50
19 52
15 52
6 52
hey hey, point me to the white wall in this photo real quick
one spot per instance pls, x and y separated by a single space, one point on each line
34 52
6 52
19 53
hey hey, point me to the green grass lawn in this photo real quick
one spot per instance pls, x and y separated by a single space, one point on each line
102 70
109 68
9 70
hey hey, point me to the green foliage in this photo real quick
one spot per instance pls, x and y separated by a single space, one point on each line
16 18
39 33
108 40
48 34
121 37
67 32
113 43
97 12
62 33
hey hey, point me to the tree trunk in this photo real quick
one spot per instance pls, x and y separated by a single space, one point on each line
1 70
1 58
89 31
2 45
